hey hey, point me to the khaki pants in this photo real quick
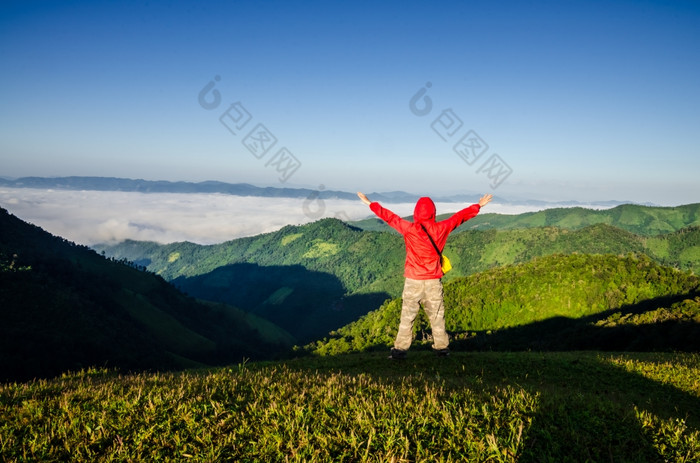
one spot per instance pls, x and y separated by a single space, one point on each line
428 293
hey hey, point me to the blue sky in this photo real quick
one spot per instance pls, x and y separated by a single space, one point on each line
569 100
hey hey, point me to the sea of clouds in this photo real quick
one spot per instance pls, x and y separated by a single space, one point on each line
91 217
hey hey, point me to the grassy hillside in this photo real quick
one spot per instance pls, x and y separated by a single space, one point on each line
65 307
555 302
640 220
477 407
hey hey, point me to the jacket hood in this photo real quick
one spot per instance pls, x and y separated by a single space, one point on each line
424 211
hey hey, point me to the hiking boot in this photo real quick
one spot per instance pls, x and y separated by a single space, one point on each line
397 354
442 352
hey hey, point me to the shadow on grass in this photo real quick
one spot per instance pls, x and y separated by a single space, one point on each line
589 405
591 332
596 402
615 392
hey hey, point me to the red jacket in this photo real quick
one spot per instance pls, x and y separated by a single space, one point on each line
422 261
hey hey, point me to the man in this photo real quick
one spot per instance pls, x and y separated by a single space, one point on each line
425 239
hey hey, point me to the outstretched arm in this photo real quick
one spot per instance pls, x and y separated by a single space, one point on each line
364 198
393 220
462 216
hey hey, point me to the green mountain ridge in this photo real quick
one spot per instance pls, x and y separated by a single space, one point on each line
65 307
482 249
330 244
641 220
364 268
637 219
330 273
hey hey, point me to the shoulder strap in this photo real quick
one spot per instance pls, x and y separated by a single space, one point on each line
431 240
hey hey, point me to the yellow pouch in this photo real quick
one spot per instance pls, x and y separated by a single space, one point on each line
446 265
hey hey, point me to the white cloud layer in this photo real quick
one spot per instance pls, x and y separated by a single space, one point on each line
90 217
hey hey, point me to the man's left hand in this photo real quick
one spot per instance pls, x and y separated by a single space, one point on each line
485 200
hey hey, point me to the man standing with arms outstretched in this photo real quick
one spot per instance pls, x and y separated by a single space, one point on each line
425 239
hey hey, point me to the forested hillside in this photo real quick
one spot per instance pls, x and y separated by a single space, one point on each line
351 253
475 251
363 262
640 220
555 302
308 279
315 278
65 307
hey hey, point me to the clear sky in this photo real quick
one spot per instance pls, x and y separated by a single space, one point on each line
560 100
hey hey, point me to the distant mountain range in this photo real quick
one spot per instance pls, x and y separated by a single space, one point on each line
245 189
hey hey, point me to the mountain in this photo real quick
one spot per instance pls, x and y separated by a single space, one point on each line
162 186
245 189
480 250
641 220
309 279
558 302
66 307
314 278
366 260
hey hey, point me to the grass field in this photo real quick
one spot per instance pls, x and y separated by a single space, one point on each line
501 407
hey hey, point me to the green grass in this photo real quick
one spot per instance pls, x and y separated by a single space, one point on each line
500 407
